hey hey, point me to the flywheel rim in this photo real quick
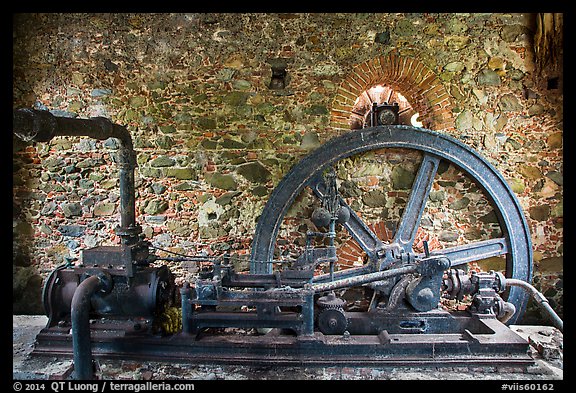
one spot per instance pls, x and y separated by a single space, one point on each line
517 240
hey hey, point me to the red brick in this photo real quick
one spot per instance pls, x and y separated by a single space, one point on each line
375 69
403 67
393 65
340 107
440 99
400 64
361 78
345 96
354 84
419 72
341 116
428 82
340 125
435 89
364 69
409 68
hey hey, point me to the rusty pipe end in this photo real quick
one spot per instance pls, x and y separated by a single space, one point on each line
34 125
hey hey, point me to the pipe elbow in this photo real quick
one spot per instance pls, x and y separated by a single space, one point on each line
80 306
540 300
34 125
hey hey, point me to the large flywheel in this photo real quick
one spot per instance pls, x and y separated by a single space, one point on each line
513 243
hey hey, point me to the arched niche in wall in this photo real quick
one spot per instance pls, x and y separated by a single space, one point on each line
405 80
381 94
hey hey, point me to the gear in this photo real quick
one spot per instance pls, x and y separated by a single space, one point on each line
331 318
332 321
330 301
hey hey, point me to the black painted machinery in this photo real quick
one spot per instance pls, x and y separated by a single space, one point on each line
112 305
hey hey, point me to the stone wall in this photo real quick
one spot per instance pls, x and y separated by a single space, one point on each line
213 136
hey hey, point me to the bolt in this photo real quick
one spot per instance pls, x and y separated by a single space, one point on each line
425 295
426 249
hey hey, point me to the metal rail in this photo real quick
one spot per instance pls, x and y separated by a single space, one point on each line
362 279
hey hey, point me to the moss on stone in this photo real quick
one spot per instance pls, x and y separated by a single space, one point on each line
225 182
182 173
254 172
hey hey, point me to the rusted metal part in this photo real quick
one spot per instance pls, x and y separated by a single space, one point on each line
398 291
42 126
445 341
134 290
80 310
515 244
142 296
126 256
211 305
362 279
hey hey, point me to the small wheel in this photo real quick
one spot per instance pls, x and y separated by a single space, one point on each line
332 321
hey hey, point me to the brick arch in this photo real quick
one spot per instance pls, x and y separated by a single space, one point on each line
415 81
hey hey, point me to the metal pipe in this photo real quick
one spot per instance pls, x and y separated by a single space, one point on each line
186 308
363 279
508 311
42 126
80 317
540 300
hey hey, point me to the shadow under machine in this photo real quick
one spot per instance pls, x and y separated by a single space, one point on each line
112 305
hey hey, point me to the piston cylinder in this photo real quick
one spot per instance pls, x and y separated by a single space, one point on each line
143 296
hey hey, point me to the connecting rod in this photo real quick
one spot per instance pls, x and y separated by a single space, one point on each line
362 279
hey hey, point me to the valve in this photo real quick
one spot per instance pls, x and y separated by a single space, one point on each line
457 283
485 289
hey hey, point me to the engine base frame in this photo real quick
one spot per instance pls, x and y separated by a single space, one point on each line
466 340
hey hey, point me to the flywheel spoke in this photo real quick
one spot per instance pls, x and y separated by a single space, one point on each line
410 220
460 255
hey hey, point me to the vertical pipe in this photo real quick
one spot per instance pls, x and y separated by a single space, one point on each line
332 236
308 315
127 206
186 308
81 327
